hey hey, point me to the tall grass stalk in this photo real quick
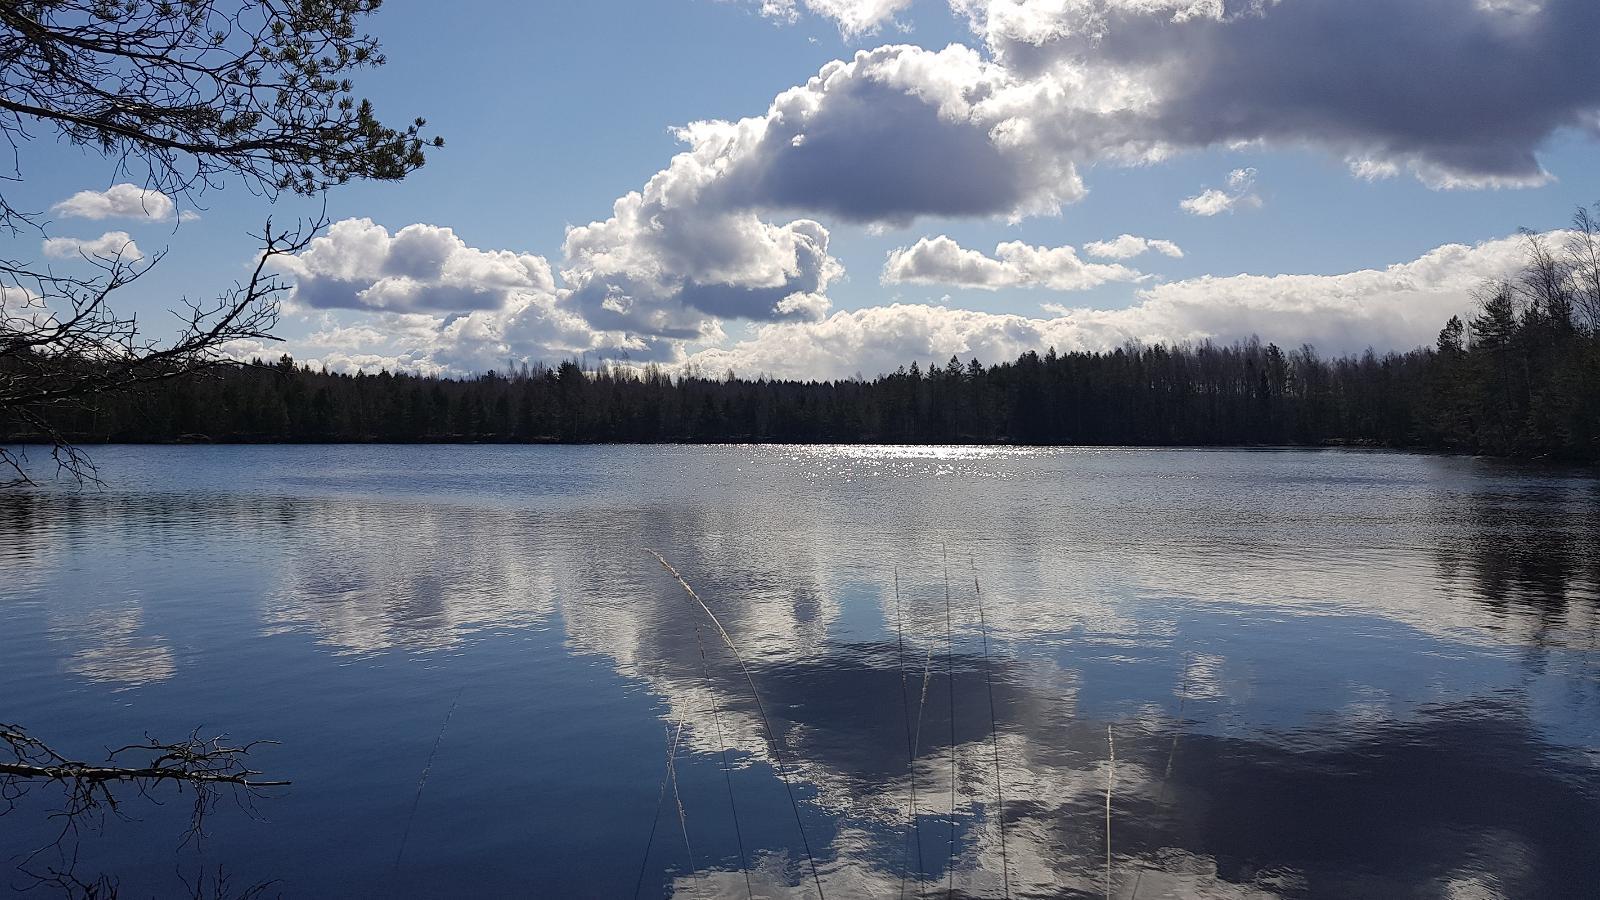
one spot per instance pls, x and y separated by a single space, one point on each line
655 820
994 732
766 723
1172 756
1111 784
916 746
950 676
423 781
913 828
727 766
683 819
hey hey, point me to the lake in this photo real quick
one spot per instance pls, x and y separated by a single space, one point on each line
981 671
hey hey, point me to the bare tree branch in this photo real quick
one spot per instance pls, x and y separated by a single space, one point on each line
206 767
181 92
61 343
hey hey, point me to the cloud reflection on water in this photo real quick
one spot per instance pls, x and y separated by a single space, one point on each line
115 648
1366 673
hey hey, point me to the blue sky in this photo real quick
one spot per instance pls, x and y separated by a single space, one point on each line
553 111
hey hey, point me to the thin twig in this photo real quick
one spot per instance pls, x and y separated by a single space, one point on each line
772 738
1177 732
91 790
900 657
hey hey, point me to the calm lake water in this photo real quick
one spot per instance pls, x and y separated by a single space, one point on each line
1297 674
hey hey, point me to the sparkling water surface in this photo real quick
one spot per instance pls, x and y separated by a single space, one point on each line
1295 673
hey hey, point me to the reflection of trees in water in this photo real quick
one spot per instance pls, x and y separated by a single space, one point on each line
1531 556
30 527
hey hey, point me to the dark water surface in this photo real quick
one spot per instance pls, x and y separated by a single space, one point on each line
1298 673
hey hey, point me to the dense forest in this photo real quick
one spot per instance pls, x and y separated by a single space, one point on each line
1520 377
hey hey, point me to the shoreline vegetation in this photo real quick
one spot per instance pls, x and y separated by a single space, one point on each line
1520 379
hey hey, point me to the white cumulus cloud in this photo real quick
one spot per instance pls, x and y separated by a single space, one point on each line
737 226
1239 195
111 245
120 201
420 268
855 18
872 140
426 301
1127 246
1462 94
1208 203
940 260
1398 307
667 268
738 222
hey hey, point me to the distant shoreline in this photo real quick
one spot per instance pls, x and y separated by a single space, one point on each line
1414 450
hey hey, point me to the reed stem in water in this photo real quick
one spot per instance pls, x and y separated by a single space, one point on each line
1111 784
994 733
423 781
950 676
727 768
655 820
766 723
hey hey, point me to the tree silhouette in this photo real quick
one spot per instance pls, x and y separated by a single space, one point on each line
179 94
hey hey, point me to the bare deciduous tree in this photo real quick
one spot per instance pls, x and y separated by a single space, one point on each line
1583 258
